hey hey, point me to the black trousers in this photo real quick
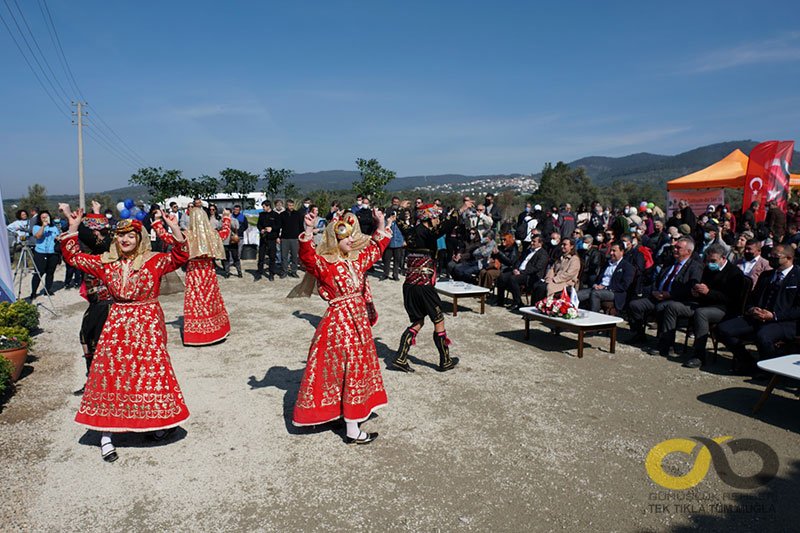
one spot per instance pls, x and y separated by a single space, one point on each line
267 247
508 281
734 332
395 255
46 264
232 257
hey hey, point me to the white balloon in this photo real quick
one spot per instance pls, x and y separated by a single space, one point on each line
120 206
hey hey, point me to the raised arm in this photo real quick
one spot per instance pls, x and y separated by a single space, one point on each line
71 250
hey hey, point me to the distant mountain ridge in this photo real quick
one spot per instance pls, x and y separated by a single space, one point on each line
640 168
658 169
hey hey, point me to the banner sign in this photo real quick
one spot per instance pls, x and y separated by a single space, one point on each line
698 200
768 176
6 277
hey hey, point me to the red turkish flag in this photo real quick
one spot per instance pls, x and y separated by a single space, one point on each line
768 176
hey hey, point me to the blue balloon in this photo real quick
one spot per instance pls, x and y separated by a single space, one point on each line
140 215
125 213
129 203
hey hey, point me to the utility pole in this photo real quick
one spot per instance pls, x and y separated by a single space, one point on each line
79 123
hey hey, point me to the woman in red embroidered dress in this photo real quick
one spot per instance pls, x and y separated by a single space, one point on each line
205 320
131 384
342 378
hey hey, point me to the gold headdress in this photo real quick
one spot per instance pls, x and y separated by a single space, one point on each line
142 252
328 249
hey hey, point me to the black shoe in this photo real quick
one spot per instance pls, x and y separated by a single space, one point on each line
227 275
238 274
405 367
111 453
383 278
515 307
257 277
694 362
282 276
294 275
271 277
79 392
366 439
396 278
449 365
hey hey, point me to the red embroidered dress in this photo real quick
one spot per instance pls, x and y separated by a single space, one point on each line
131 384
205 320
342 376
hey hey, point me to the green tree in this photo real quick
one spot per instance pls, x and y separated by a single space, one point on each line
322 200
291 191
160 183
561 184
276 180
238 182
201 187
37 197
374 179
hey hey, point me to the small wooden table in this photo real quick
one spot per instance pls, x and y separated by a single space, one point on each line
788 365
588 321
458 289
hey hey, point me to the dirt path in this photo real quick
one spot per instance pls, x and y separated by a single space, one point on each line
523 436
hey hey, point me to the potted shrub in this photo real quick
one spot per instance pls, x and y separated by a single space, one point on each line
20 314
16 351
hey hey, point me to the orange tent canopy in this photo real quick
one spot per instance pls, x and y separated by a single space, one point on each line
730 172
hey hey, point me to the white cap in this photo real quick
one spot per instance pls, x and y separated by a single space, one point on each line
712 207
537 207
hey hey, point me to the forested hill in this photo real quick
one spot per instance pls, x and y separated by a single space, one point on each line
656 170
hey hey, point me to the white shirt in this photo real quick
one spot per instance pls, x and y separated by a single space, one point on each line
747 266
608 273
528 258
679 266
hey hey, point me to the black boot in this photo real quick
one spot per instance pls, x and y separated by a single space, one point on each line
401 359
408 338
88 359
445 362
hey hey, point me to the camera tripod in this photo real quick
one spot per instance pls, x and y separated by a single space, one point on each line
26 265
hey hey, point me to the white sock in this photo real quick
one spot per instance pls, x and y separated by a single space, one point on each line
352 430
106 446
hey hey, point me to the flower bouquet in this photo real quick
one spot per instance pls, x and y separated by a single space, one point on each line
560 307
10 343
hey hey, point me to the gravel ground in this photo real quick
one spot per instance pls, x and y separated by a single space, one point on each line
522 436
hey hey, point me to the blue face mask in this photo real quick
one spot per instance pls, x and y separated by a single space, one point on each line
713 267
527 208
707 236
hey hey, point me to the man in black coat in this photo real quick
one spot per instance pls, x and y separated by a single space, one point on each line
612 283
672 284
529 270
716 297
291 228
269 226
773 310
749 216
687 215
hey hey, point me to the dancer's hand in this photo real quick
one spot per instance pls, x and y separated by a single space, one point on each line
95 207
75 220
158 214
172 221
64 208
379 218
308 222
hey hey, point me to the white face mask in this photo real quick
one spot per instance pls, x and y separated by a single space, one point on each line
554 242
358 202
306 205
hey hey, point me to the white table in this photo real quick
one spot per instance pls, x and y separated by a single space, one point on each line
458 289
588 321
788 366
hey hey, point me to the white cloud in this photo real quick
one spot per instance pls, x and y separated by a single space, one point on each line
785 48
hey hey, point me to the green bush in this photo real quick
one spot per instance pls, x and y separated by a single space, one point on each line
6 367
19 313
18 332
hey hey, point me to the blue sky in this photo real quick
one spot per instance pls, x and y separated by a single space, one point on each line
424 87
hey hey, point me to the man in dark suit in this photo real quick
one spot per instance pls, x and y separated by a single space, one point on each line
269 225
529 270
775 221
716 297
612 283
672 284
772 313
